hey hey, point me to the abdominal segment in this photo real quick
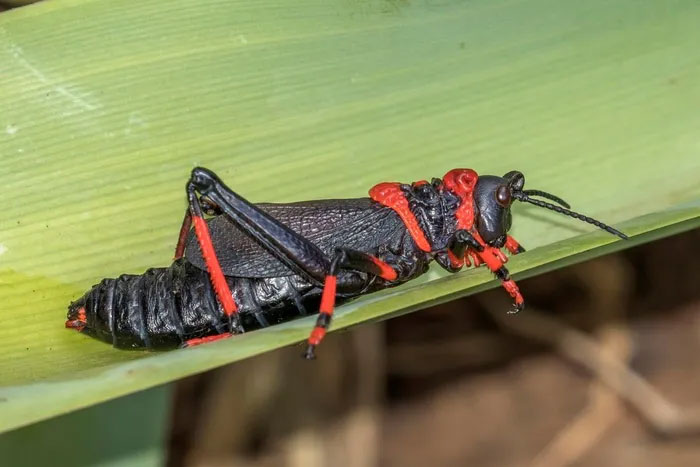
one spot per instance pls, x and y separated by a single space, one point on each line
165 307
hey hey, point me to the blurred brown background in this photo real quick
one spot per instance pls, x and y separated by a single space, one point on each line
600 370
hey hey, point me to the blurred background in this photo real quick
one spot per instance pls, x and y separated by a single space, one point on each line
600 370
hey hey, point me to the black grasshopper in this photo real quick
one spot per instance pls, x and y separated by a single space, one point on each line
255 265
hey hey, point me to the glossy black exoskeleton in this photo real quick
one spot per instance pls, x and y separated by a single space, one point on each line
268 263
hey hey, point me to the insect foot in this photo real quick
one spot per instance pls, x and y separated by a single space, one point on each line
517 308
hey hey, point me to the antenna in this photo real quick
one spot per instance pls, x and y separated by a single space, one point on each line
544 194
523 196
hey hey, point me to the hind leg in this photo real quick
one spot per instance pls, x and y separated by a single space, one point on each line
289 247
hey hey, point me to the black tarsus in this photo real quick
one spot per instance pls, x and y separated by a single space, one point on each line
309 353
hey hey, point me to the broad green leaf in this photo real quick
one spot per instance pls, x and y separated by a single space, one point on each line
128 432
106 106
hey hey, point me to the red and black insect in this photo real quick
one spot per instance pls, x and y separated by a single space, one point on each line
254 265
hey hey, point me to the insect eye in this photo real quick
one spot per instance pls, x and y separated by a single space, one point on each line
503 196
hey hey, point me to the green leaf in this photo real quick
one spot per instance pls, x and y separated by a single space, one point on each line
105 107
131 432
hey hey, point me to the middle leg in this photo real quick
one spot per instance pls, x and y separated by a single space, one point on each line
348 259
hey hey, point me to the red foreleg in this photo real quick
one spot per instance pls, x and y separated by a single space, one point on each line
494 259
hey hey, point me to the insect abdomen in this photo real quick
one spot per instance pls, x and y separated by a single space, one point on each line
161 308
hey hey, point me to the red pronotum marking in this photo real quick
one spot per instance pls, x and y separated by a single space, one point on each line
389 194
512 245
326 308
204 340
218 280
462 183
387 272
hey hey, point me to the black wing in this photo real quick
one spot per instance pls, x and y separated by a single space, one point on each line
360 224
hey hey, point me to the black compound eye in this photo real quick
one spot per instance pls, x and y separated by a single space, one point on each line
503 195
